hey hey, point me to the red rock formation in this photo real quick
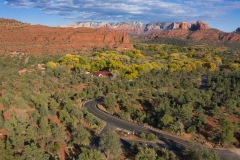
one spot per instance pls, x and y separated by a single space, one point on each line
207 35
199 26
169 34
17 36
183 25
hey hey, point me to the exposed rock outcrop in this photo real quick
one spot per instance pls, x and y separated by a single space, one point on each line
184 25
17 36
199 26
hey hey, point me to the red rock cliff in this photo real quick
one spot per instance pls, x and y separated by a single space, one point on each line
183 25
199 26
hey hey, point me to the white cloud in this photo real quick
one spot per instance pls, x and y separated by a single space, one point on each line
141 10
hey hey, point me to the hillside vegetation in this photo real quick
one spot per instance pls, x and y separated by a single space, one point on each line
179 89
190 91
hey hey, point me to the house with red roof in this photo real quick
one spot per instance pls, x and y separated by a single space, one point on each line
102 74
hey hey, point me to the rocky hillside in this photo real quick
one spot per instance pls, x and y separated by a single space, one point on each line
23 37
197 31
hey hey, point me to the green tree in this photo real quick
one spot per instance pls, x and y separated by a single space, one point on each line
168 155
65 118
58 132
227 135
30 134
81 136
146 154
151 137
166 120
142 135
21 103
89 118
110 101
44 128
32 152
217 111
134 148
111 145
200 154
6 150
88 154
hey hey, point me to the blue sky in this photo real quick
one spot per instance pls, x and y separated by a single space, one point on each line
220 14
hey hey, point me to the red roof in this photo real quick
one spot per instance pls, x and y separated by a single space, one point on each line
102 73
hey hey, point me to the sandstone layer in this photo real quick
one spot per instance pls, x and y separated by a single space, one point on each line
23 37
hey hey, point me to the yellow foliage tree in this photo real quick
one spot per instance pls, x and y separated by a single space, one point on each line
51 64
210 66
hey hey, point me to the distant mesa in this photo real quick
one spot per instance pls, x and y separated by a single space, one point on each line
142 28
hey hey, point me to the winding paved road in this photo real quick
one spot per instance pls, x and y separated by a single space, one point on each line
174 143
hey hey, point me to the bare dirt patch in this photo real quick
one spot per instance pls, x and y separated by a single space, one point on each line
79 87
63 152
1 106
17 111
55 119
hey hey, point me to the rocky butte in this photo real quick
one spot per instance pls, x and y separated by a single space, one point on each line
23 37
199 31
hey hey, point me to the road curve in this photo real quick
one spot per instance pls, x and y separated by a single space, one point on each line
172 141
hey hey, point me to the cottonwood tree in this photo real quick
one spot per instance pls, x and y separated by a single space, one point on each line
111 145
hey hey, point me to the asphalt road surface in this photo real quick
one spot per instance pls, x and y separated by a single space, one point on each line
173 142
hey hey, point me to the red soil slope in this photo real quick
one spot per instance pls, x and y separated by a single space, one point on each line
23 37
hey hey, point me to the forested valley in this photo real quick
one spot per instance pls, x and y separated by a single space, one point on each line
183 90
